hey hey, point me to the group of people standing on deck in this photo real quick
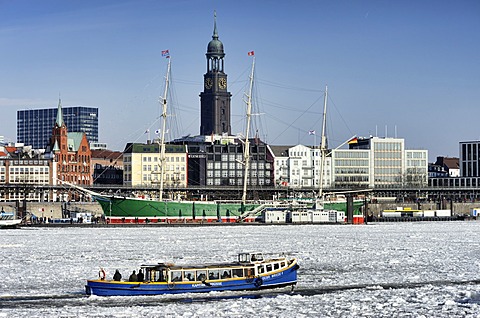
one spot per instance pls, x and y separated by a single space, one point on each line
134 277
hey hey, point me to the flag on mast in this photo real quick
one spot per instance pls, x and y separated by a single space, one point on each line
354 140
251 53
166 53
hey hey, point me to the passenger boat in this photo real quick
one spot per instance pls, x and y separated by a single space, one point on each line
8 220
250 272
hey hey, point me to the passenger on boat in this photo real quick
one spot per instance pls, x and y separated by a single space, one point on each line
133 277
189 277
117 276
140 276
225 275
202 277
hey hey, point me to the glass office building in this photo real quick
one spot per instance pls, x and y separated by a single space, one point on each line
34 126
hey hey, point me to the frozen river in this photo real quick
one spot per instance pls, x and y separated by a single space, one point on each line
376 270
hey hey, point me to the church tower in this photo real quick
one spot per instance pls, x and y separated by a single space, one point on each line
215 99
59 132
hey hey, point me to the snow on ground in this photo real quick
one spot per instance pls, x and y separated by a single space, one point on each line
378 270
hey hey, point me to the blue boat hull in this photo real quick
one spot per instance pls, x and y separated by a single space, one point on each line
114 288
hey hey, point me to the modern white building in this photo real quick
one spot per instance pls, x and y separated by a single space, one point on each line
469 158
390 164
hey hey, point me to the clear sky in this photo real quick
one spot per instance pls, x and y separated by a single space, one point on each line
409 69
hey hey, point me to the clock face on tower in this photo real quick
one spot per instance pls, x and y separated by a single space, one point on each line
222 83
208 83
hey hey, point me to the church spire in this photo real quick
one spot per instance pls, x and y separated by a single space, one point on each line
215 33
59 120
215 46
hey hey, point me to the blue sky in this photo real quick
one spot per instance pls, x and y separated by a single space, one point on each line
398 68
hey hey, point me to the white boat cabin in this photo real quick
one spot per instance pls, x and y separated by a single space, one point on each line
250 257
249 265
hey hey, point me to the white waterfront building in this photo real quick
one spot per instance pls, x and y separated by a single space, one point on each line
298 167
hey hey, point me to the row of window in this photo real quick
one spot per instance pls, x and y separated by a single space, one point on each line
157 168
386 171
237 181
189 275
388 146
351 155
470 151
76 169
316 163
26 162
296 172
388 163
352 171
30 196
351 179
237 165
168 177
388 155
308 183
416 155
20 179
351 163
229 149
27 170
157 159
416 163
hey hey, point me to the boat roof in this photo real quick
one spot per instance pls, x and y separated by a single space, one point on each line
210 265
197 266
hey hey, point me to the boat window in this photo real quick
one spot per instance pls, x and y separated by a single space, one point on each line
153 275
276 266
283 264
257 257
213 274
201 276
237 272
176 276
150 274
188 276
260 269
226 273
269 267
161 276
242 258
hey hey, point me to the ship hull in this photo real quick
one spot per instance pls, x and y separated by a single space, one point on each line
136 210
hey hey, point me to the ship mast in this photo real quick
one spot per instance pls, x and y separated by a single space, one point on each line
163 101
246 155
323 144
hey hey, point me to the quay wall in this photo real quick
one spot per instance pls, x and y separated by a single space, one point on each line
54 209
458 208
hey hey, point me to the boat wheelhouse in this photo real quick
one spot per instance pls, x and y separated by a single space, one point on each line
252 271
